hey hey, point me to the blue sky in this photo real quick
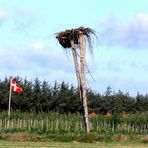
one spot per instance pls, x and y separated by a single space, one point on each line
28 47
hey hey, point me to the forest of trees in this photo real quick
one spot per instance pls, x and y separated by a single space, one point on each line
39 96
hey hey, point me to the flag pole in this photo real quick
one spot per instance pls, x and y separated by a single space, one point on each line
9 108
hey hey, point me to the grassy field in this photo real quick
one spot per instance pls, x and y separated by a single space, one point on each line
24 130
69 124
14 144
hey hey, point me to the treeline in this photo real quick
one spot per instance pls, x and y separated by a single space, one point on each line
39 96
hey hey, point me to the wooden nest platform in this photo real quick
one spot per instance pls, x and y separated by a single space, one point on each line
65 37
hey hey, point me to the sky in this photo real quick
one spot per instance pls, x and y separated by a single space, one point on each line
28 47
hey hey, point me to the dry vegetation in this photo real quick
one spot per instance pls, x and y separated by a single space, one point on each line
65 37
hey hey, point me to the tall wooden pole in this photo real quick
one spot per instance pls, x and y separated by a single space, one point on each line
83 81
77 67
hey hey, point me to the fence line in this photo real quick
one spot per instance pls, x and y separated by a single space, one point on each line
65 126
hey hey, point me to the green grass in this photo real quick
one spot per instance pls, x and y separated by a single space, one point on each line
14 144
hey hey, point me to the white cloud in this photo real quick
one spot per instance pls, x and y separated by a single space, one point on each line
121 69
3 16
143 20
2 13
29 21
37 45
35 59
133 34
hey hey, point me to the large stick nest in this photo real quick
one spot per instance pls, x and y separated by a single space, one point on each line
65 37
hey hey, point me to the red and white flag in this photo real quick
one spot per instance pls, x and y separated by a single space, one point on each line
15 87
